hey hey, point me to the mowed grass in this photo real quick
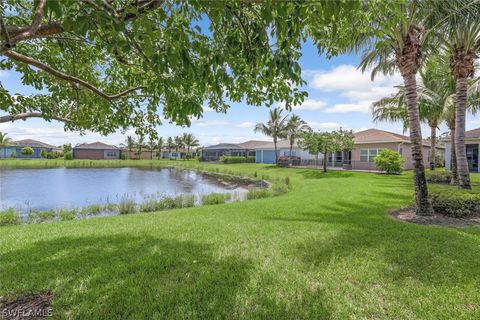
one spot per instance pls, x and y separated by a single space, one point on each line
325 250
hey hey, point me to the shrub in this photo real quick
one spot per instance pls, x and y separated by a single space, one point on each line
43 153
439 176
9 217
188 201
258 193
123 156
215 198
65 214
236 159
13 155
91 209
389 161
455 203
68 155
27 151
279 189
41 216
126 206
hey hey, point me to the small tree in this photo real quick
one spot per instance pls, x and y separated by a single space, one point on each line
389 161
67 148
68 155
43 153
27 151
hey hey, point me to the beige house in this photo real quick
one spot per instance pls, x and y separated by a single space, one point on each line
368 144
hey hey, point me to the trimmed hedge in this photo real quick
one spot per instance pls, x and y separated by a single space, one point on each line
439 176
455 203
236 159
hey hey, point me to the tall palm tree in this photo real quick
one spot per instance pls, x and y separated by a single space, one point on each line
398 45
296 127
152 144
4 140
276 127
130 144
178 144
140 144
190 141
170 146
461 40
160 145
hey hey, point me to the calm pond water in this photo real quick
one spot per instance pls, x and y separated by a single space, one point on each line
44 189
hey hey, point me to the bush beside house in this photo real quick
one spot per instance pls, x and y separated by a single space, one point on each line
236 159
389 161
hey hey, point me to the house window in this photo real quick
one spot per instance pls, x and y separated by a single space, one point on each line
339 156
363 155
367 155
372 154
111 153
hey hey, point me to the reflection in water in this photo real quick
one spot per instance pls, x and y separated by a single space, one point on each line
43 189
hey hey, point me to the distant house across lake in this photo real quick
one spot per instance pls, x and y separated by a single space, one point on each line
96 151
213 153
15 149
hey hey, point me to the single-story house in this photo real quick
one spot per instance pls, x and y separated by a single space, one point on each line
472 142
17 146
368 144
213 153
96 151
265 152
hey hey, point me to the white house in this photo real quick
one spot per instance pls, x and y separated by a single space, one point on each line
472 141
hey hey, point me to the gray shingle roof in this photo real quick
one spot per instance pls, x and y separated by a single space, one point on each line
32 143
96 145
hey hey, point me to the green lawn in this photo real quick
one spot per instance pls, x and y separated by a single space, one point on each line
325 250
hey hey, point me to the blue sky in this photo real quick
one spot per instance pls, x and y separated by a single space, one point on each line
339 96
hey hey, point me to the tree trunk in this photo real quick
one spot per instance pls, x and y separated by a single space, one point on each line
325 159
290 154
461 151
453 158
433 145
275 146
423 206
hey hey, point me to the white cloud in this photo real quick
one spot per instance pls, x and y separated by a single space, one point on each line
209 123
325 125
311 105
245 125
4 74
361 106
355 86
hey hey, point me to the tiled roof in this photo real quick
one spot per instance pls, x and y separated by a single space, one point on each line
280 144
96 145
472 134
376 135
251 144
32 143
381 136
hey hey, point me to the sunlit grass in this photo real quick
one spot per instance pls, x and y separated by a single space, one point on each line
327 249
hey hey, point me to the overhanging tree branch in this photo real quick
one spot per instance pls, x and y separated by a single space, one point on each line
37 19
58 74
26 115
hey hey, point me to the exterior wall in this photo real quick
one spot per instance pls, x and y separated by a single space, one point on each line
111 154
265 156
90 154
146 155
448 156
6 152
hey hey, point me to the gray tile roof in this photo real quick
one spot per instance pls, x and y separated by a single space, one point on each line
96 145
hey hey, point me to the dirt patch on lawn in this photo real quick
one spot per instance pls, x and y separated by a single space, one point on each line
408 214
29 306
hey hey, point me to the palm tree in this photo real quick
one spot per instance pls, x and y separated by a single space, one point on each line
160 144
461 39
275 127
398 46
296 127
152 144
140 143
4 140
178 144
189 141
130 144
170 146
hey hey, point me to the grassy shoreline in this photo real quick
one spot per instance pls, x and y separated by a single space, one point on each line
325 250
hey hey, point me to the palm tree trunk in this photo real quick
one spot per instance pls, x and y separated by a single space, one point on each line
325 158
433 145
275 146
461 151
453 159
423 206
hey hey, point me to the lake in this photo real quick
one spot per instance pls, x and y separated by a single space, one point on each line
44 189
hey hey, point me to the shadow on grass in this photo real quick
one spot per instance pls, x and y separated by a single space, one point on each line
127 277
319 174
429 254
